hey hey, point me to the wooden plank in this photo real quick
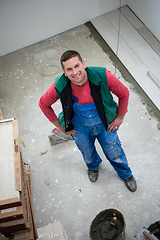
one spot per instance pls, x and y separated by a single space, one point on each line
12 226
32 233
29 188
25 197
1 115
18 182
10 203
11 214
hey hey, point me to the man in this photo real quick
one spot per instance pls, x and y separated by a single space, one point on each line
89 113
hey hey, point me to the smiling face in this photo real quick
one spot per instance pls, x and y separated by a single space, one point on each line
74 69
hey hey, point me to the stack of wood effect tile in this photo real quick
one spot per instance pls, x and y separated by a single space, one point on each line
16 205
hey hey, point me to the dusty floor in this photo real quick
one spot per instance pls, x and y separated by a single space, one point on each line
61 189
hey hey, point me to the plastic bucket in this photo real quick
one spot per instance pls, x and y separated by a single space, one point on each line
107 216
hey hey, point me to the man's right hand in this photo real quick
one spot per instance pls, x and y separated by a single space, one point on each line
60 128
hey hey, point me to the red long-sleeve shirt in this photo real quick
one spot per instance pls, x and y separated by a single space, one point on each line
82 93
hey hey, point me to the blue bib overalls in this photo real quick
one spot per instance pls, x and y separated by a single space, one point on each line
90 127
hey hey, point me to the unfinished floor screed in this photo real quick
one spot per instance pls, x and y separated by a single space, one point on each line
61 189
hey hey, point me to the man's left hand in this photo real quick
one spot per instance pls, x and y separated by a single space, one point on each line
115 124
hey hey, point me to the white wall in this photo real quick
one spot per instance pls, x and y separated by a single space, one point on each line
25 22
149 13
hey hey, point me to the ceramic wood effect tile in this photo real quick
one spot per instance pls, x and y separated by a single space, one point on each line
149 58
146 83
110 35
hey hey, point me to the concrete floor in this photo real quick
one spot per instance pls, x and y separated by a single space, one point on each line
61 189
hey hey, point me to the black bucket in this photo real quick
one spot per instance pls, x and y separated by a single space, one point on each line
116 229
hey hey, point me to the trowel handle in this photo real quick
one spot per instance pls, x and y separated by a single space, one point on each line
147 235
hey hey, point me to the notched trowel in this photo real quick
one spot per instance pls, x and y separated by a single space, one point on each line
58 137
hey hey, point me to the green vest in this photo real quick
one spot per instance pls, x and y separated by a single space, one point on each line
98 83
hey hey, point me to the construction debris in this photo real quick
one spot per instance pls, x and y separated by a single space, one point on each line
41 153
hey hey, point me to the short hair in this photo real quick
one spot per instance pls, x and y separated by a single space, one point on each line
68 55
